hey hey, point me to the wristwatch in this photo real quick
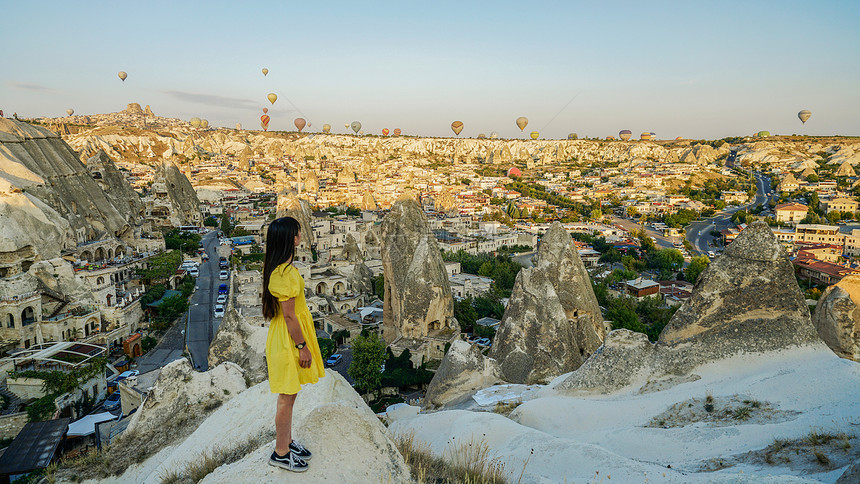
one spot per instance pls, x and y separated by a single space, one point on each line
300 345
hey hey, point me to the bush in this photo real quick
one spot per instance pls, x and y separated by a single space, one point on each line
327 347
148 343
368 354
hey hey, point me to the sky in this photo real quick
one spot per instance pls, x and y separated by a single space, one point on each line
694 69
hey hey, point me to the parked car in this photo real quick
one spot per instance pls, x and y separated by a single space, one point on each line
711 254
222 289
122 376
112 402
223 275
333 360
219 310
194 272
222 299
485 342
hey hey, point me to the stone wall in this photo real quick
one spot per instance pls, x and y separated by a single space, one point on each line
10 425
26 388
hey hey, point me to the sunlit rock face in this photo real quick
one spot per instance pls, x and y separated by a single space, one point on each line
837 317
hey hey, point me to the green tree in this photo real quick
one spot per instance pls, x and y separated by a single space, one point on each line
210 222
368 354
328 347
379 287
632 212
812 178
160 267
226 226
697 265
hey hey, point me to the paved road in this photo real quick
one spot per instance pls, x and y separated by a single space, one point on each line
170 348
341 367
699 233
661 241
201 323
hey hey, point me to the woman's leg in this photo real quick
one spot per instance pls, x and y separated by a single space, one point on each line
284 423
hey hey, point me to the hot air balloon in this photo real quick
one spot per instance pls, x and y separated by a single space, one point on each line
309 124
384 131
272 97
572 136
457 127
355 125
70 111
122 75
264 122
265 110
645 136
534 135
494 135
481 135
653 135
522 122
397 131
346 125
361 133
763 134
300 124
625 134
326 128
265 72
204 123
195 122
804 115
514 171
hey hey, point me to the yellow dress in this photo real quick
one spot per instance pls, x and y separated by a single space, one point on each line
282 357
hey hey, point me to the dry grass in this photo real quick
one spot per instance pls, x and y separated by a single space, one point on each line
467 463
506 408
206 463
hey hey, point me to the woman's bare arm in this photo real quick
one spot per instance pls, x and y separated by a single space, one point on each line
288 308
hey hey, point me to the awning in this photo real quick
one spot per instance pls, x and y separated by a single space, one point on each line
34 447
87 425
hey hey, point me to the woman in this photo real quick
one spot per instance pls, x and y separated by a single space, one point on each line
292 351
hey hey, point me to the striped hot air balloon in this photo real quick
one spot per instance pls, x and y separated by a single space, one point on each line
645 136
625 134
457 127
384 131
264 122
397 131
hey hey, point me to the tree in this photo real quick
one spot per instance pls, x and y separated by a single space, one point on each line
226 226
379 287
697 265
632 212
327 347
368 354
210 222
812 178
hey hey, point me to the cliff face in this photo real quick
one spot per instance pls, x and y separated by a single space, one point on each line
42 182
119 192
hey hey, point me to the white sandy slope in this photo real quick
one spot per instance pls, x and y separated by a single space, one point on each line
574 437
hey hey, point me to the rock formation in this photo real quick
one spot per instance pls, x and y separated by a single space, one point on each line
289 205
238 342
417 293
39 169
746 301
172 186
552 323
120 193
351 252
134 108
837 317
464 370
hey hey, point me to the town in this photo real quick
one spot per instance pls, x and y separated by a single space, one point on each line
162 260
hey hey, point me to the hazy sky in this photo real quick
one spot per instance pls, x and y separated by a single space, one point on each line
685 68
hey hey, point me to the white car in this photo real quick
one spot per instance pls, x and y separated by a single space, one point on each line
223 275
219 310
711 254
222 299
194 272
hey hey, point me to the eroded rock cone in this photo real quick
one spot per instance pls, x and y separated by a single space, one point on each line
747 299
418 297
463 371
837 317
552 323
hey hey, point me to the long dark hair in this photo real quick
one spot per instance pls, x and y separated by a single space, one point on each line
280 248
